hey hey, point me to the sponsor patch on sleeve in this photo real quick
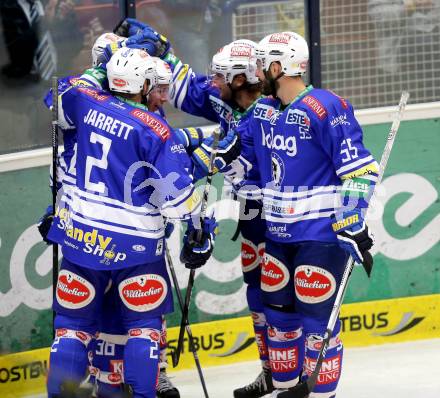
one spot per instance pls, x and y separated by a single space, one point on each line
315 106
156 125
93 93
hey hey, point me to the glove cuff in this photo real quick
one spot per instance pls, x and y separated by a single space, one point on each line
347 220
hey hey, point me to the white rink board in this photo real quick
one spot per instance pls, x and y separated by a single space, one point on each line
400 370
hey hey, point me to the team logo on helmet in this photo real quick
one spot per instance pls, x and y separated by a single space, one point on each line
274 274
143 292
143 54
281 38
241 51
119 82
111 37
313 284
73 291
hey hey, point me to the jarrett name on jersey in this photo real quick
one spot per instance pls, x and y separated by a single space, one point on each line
305 153
124 177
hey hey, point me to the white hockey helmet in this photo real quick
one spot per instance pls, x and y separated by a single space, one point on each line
163 71
234 59
288 48
128 69
100 44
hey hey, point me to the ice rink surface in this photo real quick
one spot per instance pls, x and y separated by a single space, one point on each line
404 370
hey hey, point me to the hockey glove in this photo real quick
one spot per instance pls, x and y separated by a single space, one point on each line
354 237
190 137
228 150
141 31
196 253
146 40
152 42
130 27
135 26
44 224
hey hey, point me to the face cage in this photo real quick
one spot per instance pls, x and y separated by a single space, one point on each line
161 90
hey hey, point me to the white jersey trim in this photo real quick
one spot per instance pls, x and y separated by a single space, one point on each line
121 230
354 165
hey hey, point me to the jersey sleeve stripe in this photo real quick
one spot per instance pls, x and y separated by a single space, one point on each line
369 172
184 206
182 89
121 217
354 165
296 207
87 196
302 194
121 230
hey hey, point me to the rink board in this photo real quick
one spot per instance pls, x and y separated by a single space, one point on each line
232 340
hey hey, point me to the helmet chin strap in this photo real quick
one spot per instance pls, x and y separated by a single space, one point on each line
145 97
272 81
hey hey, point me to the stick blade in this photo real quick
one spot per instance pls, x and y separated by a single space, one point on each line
301 390
175 357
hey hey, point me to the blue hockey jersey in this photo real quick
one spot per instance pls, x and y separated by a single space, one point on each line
193 94
304 153
126 175
94 77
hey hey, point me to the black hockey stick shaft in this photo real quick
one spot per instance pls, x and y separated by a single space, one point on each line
302 390
187 326
203 209
54 185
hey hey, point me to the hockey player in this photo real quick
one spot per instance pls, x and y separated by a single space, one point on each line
107 358
228 97
106 367
110 223
316 176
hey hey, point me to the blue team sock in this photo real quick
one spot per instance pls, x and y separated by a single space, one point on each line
68 360
286 347
330 372
141 359
253 295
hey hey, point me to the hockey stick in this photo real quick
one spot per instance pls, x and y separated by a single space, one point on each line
187 326
303 389
204 207
54 186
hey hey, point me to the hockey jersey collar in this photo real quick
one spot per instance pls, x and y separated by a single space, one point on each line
237 114
298 97
132 103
